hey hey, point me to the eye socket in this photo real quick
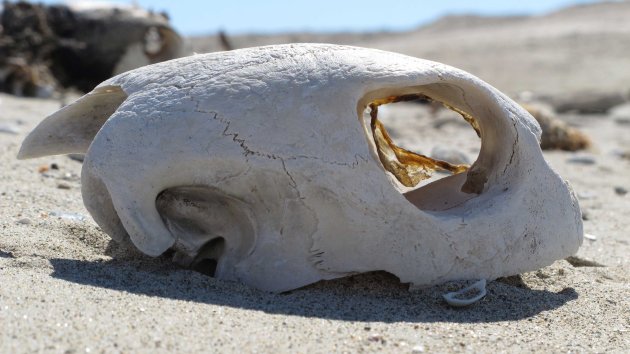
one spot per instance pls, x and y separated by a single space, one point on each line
420 141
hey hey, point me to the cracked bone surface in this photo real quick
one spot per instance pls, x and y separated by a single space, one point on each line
260 166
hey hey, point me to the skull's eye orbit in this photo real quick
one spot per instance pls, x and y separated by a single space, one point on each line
413 170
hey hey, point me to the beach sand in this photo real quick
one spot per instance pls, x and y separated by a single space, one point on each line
65 288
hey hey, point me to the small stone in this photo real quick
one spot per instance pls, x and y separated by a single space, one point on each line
590 237
25 221
582 159
63 186
453 156
67 216
587 102
582 262
76 157
376 338
417 349
586 195
54 166
623 121
621 113
6 254
621 190
69 177
540 274
9 129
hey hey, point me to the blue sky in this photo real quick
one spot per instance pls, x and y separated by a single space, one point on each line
272 16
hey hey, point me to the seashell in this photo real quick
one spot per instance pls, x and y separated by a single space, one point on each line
260 166
468 295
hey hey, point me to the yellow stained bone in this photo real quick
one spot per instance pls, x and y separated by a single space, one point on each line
408 167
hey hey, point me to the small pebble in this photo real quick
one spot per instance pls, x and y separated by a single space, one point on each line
376 338
586 195
76 157
621 190
621 113
622 121
54 166
25 221
6 254
67 215
582 159
622 154
453 156
417 349
68 177
9 129
582 262
63 186
590 237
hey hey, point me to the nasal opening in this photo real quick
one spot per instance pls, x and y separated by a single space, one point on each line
208 257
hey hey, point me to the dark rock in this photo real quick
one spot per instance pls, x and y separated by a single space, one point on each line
76 157
587 102
582 262
582 159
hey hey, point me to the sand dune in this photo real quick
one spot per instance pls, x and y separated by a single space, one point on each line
578 48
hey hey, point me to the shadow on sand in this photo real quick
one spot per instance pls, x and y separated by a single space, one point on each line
378 296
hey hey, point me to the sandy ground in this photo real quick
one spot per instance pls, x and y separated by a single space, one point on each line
64 288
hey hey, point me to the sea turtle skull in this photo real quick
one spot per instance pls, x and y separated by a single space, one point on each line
258 163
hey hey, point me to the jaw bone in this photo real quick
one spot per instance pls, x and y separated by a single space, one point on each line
259 165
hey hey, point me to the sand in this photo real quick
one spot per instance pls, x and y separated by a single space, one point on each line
65 288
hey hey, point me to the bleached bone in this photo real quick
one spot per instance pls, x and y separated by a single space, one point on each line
260 163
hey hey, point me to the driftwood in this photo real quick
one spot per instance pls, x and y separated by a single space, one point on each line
43 48
556 134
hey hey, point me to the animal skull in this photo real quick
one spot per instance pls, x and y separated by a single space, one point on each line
259 162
